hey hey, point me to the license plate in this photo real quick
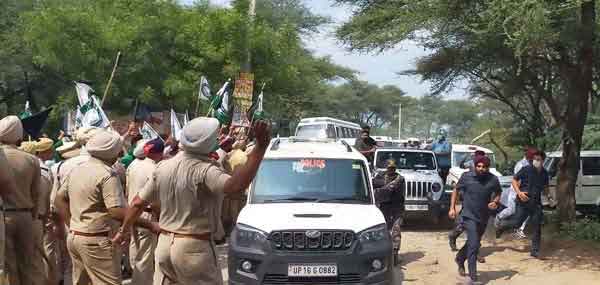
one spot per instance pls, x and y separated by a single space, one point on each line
416 207
312 270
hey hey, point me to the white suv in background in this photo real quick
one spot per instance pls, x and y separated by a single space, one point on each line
587 189
311 218
423 185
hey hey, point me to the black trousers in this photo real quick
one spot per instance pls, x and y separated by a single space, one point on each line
470 250
536 214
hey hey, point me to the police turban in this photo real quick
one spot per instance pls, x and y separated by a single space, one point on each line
104 145
44 144
84 134
200 136
138 151
28 147
11 130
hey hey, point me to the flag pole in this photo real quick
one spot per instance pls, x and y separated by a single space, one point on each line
112 75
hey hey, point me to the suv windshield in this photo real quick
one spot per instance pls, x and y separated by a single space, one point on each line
311 180
459 158
406 159
320 131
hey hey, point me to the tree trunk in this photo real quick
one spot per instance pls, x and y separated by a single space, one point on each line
579 89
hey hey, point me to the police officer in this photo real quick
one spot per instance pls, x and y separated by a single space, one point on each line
90 200
442 149
43 268
7 186
143 242
21 206
184 185
390 191
529 184
476 187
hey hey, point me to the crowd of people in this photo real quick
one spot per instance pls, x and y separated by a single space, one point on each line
73 208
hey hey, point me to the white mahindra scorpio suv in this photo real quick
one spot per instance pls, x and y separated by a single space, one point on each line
311 218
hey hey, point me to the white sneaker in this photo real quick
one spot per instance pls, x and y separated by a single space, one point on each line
519 234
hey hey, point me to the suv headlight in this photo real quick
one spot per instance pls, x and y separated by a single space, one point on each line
374 234
249 237
436 187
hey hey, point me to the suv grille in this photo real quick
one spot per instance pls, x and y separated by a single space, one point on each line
417 190
284 279
299 241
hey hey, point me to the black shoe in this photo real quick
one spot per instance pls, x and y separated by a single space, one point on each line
480 259
452 242
535 254
461 268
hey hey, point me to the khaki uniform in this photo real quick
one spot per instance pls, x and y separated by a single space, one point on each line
143 241
55 246
19 209
43 268
185 186
6 176
92 189
233 203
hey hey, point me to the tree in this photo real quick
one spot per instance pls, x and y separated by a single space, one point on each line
539 52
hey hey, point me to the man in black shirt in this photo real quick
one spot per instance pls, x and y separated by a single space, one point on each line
481 193
529 184
365 144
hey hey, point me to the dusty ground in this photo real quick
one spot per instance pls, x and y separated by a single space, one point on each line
427 259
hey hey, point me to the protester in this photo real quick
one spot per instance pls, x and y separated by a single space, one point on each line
476 188
529 184
143 241
20 206
182 185
90 200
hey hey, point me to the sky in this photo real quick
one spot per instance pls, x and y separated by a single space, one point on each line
376 68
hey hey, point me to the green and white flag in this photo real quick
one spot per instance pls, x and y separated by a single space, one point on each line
223 111
256 111
27 112
92 115
149 133
84 92
204 92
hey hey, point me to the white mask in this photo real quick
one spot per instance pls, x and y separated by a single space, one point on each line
537 164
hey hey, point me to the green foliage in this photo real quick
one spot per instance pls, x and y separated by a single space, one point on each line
584 229
165 48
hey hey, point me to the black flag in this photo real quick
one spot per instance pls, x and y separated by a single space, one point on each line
33 125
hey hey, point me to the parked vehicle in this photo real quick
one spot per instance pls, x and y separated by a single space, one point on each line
423 184
311 218
324 127
460 155
587 189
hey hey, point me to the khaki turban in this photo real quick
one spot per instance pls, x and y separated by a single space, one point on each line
138 152
200 136
11 130
84 134
28 147
44 144
104 145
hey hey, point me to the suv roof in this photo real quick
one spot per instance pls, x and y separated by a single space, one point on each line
469 148
583 153
312 148
398 149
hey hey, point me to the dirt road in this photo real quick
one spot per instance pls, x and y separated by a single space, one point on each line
427 259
